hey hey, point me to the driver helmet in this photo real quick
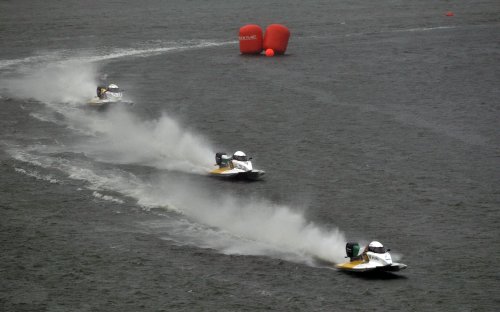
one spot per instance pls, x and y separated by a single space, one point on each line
376 247
113 88
239 155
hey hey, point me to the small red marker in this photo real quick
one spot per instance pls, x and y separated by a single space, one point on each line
269 52
449 13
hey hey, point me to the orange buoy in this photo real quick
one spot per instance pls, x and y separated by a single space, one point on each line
449 13
276 38
269 52
251 39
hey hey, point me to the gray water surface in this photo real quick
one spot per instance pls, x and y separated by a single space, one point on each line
379 123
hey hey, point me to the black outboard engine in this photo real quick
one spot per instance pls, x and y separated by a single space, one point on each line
218 158
352 250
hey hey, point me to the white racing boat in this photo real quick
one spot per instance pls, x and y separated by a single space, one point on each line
106 96
374 257
237 166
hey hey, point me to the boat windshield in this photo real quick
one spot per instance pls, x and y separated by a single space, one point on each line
114 90
240 158
379 250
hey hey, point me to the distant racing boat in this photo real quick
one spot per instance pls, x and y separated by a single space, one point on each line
374 258
106 96
237 166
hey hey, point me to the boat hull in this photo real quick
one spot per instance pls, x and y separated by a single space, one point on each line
227 173
362 266
101 104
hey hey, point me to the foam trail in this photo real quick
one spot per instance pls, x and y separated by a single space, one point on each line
255 226
35 174
59 82
143 52
161 143
107 197
30 60
45 77
261 227
232 225
120 137
113 54
114 180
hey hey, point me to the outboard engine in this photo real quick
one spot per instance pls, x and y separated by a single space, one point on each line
352 250
218 158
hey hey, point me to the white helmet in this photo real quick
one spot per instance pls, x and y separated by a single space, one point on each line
375 244
239 155
376 247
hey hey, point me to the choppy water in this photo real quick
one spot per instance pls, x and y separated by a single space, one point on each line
381 122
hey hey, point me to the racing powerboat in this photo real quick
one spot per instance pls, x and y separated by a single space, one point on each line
106 96
237 166
374 257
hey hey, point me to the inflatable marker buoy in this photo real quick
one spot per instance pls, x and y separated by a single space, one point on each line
251 39
276 38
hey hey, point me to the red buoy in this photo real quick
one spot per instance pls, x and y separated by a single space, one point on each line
449 13
269 52
251 39
276 38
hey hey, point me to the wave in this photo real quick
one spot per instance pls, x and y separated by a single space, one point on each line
107 197
37 175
